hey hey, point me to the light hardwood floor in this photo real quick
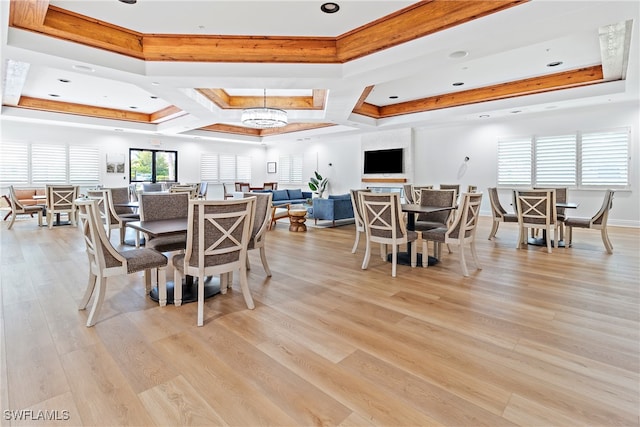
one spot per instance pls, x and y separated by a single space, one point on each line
533 339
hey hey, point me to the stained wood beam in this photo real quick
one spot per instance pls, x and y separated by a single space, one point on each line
82 110
165 114
241 130
558 81
415 21
225 101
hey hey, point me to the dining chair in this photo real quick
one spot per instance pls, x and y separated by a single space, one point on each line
108 216
536 210
243 187
455 187
598 222
561 197
270 186
121 196
417 192
60 200
18 208
384 224
150 187
190 189
498 212
472 189
203 187
218 235
261 223
158 206
461 232
106 261
407 190
357 214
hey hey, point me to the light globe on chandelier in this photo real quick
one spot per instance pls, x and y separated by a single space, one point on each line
264 117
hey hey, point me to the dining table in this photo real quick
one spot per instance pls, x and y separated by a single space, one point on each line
166 227
404 258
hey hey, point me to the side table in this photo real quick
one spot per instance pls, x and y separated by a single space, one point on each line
297 219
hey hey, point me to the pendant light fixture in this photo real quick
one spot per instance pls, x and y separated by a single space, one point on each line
264 117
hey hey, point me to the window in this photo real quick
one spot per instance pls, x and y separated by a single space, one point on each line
290 169
38 164
153 165
580 160
225 168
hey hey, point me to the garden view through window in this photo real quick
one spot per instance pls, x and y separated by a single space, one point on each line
153 165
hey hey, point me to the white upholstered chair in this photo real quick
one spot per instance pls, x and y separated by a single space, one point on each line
384 224
106 261
357 214
217 239
461 232
60 200
536 210
598 222
18 208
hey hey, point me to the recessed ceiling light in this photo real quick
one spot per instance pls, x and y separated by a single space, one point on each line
54 95
458 54
133 107
64 81
330 7
393 97
458 84
129 1
554 63
484 116
155 84
83 68
516 111
153 97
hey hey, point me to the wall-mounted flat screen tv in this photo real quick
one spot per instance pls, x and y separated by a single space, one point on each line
383 161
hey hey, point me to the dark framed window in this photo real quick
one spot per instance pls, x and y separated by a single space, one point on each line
153 165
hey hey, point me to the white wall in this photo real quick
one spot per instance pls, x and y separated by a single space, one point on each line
438 153
189 150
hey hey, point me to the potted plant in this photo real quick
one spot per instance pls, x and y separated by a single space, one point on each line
318 184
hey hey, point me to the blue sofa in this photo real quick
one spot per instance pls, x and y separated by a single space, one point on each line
292 196
334 208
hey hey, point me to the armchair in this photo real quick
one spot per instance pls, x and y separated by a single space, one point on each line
332 209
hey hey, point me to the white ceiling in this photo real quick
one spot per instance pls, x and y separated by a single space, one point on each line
510 45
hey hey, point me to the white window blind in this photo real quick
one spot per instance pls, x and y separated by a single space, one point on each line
209 167
48 164
605 158
555 160
84 165
14 164
514 162
243 168
227 167
290 169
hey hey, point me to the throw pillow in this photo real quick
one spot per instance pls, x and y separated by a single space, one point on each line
280 195
295 194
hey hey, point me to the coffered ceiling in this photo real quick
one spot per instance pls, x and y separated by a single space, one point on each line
189 68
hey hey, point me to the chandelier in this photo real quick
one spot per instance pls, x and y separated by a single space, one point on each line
263 117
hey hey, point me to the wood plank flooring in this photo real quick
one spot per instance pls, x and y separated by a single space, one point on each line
532 339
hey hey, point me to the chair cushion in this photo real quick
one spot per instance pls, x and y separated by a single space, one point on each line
435 234
280 195
142 259
174 242
295 194
578 222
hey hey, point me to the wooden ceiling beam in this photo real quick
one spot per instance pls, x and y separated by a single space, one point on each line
413 22
82 110
564 80
225 101
241 130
